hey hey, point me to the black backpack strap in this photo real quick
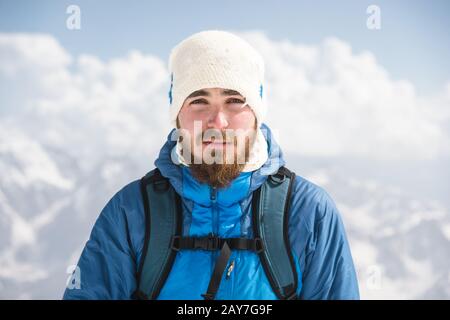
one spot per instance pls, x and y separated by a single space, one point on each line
219 268
163 236
162 207
270 223
212 243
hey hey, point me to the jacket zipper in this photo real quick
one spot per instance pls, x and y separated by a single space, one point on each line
215 229
230 277
215 218
230 269
213 197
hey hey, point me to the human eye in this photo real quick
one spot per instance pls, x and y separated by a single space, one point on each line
235 104
199 101
199 105
235 100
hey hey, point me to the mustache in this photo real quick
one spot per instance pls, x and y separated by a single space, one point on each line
216 136
224 136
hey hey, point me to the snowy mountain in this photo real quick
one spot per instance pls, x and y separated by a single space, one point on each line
399 244
74 130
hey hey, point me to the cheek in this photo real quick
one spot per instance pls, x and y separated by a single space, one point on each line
191 137
245 120
188 121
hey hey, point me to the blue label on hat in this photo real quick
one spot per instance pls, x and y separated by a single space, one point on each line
171 86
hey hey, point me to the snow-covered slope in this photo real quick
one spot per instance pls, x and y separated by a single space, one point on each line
74 130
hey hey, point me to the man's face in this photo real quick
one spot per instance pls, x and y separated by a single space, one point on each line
220 130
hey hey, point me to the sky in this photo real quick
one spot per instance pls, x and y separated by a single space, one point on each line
412 42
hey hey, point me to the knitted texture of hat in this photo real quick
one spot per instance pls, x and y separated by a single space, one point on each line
216 59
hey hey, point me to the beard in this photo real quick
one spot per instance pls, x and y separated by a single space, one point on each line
216 175
220 175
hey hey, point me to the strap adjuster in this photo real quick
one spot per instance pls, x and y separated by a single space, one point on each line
213 243
259 245
175 243
277 177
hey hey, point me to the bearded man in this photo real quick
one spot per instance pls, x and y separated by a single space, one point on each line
221 217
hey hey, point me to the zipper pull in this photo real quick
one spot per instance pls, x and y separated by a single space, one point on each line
230 269
213 194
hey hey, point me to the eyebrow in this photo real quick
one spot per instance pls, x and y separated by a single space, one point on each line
225 92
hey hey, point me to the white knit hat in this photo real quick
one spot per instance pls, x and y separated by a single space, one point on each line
216 59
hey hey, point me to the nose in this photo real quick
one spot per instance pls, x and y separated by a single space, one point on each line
218 120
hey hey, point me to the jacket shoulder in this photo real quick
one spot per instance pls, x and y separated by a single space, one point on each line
125 211
310 203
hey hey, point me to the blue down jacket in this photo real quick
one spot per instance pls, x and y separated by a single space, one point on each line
108 263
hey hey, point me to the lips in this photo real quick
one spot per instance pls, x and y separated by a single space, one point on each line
215 143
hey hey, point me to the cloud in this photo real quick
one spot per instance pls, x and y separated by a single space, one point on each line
336 103
85 106
61 119
74 128
32 164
